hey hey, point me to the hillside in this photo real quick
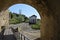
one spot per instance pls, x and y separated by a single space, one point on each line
15 18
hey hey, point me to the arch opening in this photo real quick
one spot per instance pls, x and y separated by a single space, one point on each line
30 17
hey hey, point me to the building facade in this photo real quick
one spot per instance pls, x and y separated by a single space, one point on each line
33 19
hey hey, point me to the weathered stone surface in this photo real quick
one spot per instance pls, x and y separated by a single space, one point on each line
4 19
50 15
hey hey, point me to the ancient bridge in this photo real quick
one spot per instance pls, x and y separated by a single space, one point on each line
49 11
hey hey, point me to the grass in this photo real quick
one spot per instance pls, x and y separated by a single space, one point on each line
36 26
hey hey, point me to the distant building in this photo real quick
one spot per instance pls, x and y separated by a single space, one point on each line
33 19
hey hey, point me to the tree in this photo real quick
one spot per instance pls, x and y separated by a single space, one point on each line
17 18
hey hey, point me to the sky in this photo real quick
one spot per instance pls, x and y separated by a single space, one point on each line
25 9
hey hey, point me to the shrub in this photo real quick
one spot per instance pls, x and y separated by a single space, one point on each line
13 21
35 26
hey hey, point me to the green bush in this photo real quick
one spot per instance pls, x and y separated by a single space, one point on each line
16 18
35 26
13 21
27 20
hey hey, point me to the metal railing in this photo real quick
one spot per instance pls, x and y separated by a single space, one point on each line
23 37
19 35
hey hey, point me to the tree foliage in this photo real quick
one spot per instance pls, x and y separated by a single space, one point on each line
17 18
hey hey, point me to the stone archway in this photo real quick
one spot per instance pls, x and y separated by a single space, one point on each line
50 15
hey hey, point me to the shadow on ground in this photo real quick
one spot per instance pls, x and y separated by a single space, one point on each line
7 37
37 39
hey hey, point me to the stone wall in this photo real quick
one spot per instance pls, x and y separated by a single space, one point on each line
50 15
4 18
